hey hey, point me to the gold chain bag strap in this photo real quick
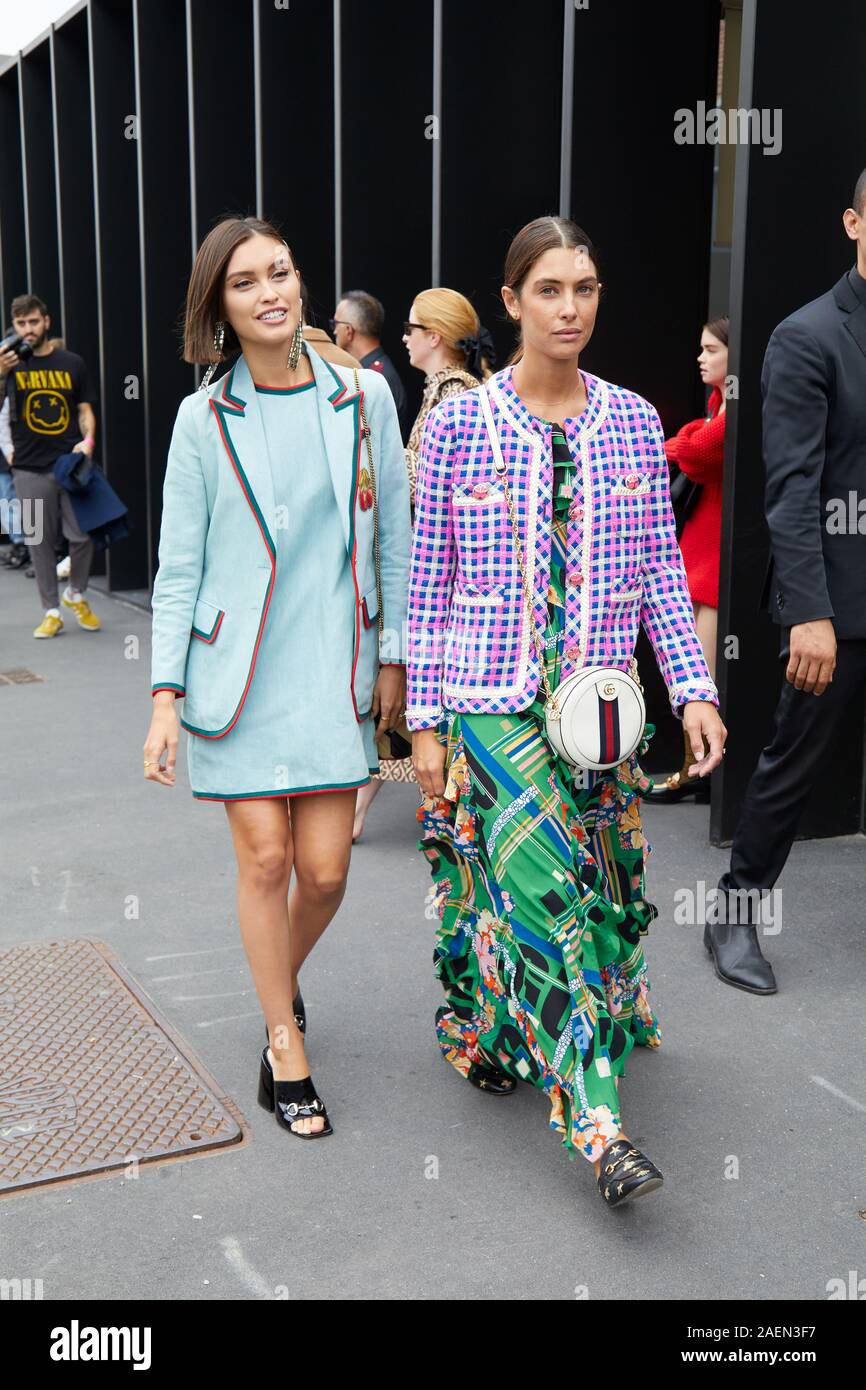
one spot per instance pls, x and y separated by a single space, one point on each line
396 743
596 717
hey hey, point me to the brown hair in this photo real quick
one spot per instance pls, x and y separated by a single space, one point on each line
530 243
204 293
719 328
27 304
450 313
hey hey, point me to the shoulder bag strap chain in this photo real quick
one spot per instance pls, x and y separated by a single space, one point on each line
365 428
502 471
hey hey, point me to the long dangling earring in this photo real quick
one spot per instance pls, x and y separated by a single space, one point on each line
294 356
218 340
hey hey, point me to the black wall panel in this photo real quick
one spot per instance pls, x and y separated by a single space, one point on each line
789 246
166 234
39 179
387 95
223 110
13 244
76 222
117 246
501 123
296 94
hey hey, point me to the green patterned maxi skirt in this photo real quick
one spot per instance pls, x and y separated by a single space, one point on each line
538 890
538 887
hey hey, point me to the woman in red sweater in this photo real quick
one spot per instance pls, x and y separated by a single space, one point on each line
698 451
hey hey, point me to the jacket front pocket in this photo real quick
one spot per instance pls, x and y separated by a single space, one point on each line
479 533
370 608
206 621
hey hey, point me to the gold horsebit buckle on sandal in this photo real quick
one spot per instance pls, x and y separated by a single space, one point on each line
305 1111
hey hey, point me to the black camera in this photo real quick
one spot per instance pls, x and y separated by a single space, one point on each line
13 342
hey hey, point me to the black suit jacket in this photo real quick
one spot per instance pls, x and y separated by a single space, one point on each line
813 387
381 362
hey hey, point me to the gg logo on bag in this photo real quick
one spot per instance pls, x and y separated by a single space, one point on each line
609 688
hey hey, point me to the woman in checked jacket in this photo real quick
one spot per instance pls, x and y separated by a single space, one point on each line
538 869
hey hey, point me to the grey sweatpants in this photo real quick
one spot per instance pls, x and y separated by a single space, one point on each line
50 510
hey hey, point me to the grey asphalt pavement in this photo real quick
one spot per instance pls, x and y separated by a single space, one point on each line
754 1108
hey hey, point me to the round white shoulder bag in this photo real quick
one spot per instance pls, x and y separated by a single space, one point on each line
595 718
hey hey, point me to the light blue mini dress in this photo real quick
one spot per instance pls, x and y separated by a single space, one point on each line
297 732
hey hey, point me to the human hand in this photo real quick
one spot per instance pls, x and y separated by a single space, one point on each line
162 736
8 360
389 698
701 721
812 658
428 760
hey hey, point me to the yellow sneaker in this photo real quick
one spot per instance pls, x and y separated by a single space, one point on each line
86 617
49 627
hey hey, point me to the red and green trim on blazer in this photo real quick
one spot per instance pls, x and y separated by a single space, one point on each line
209 636
360 603
223 408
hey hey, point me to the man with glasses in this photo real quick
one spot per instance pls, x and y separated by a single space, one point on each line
357 328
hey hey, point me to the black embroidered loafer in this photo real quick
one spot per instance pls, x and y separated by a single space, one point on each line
626 1173
491 1080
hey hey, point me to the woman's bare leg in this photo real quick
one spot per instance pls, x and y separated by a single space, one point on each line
322 833
262 839
365 799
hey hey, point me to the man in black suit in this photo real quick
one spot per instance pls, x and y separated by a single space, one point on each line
813 387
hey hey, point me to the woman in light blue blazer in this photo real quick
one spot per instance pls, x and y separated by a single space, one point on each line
271 618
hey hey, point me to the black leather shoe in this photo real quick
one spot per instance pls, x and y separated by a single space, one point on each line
291 1101
491 1080
737 957
626 1173
300 1016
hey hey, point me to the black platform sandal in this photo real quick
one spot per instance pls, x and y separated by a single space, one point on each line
491 1080
291 1101
626 1173
300 1016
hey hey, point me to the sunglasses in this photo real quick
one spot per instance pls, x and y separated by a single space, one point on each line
408 327
332 324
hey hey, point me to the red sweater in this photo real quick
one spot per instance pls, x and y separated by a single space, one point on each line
698 451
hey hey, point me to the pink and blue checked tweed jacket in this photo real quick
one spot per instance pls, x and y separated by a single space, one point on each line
469 643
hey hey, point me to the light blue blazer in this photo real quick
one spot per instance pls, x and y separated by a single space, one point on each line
217 558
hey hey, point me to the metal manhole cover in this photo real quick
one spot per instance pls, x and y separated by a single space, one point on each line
19 676
91 1076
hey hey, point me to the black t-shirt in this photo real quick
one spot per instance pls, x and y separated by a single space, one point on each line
44 394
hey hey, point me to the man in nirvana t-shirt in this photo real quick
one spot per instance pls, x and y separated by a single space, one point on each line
50 395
